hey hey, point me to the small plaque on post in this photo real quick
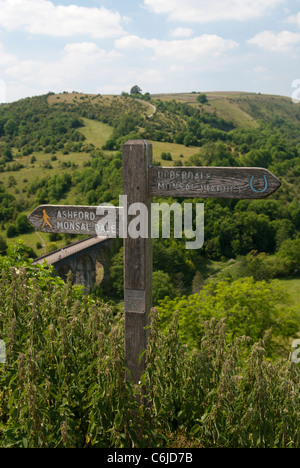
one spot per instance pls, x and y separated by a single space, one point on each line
135 301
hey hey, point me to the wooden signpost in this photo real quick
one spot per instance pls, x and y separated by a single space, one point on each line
142 181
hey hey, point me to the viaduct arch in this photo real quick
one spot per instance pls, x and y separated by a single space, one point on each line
81 258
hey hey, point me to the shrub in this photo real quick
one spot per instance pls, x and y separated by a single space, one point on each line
22 224
166 156
249 308
11 231
63 382
3 245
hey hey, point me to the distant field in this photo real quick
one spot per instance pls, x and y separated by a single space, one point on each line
242 108
176 152
33 171
229 110
95 132
97 99
73 98
292 286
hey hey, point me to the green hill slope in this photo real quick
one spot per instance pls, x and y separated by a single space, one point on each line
244 109
66 149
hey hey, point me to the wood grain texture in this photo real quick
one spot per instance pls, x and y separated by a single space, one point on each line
72 219
212 182
138 265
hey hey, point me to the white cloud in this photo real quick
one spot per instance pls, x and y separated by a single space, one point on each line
201 11
43 17
181 49
295 19
77 62
260 69
281 42
135 42
181 32
192 49
5 57
125 80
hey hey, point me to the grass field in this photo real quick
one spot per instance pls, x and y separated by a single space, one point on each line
48 165
96 133
102 100
242 108
76 98
292 286
178 152
17 182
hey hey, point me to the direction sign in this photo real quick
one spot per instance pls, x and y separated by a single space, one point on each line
142 181
212 182
72 219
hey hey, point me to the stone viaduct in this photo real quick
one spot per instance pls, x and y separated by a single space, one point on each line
82 259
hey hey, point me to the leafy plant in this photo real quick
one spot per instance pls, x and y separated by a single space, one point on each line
63 384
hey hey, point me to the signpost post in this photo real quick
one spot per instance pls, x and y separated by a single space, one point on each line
141 182
137 160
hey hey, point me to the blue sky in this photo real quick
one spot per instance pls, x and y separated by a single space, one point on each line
107 46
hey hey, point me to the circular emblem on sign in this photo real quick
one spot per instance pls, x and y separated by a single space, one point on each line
258 191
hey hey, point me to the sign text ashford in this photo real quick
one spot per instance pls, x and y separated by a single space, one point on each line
72 220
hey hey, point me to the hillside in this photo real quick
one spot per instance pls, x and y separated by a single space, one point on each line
66 149
244 109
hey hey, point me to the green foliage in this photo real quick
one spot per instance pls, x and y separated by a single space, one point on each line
8 205
162 286
31 124
102 180
116 274
162 281
3 245
63 384
135 90
166 156
22 224
11 231
249 308
218 396
260 266
202 98
290 251
51 190
232 228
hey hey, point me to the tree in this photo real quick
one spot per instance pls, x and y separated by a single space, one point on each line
249 308
162 286
202 98
136 90
3 245
22 224
11 230
290 250
10 127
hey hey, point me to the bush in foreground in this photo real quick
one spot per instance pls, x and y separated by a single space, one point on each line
63 382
